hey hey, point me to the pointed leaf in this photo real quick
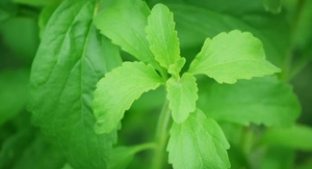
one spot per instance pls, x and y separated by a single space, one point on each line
260 100
124 23
118 90
182 96
162 36
72 57
198 143
232 56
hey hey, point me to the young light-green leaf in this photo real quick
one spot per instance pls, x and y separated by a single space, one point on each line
182 96
260 100
118 90
71 59
198 143
162 36
232 56
124 23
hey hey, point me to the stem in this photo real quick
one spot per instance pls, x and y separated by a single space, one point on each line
301 64
287 66
162 135
247 140
145 146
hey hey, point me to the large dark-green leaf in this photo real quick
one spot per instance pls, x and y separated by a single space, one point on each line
260 100
210 18
71 59
20 150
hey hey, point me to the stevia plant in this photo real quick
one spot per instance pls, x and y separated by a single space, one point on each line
196 141
154 84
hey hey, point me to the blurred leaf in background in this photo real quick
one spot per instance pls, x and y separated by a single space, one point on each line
13 93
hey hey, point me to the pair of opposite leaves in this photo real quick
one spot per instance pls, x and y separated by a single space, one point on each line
226 58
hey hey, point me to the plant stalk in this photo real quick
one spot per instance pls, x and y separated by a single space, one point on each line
162 135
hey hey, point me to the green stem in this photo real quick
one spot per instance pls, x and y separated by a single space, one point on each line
162 135
300 64
145 146
287 65
247 140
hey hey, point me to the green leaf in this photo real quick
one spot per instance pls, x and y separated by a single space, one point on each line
303 34
11 34
45 155
182 96
13 93
273 6
209 18
67 166
162 36
71 59
44 17
278 158
24 145
124 23
260 100
117 91
12 146
37 2
306 165
176 67
122 156
198 143
232 56
7 9
297 137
